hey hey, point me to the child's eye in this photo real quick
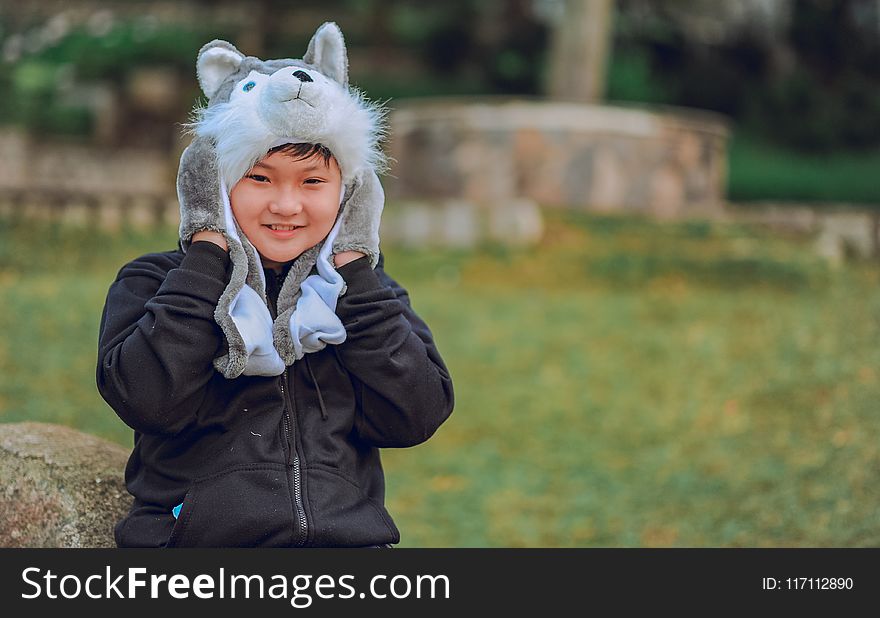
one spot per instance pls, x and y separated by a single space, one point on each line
314 181
258 177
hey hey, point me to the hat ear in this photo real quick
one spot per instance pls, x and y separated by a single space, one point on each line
217 61
327 53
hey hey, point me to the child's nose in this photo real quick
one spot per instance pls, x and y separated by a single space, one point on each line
288 203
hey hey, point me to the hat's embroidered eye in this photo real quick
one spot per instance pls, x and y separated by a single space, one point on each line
249 86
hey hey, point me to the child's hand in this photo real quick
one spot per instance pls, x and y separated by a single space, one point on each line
214 237
341 259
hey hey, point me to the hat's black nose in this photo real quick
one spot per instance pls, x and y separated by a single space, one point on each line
302 76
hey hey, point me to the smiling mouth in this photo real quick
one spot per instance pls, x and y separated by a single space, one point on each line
282 228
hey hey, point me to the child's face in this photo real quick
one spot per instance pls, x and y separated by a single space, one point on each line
279 193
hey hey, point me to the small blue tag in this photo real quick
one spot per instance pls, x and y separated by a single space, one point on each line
176 510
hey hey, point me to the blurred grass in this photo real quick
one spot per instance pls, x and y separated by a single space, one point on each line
627 383
762 171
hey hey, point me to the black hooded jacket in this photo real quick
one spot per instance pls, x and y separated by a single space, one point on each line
282 461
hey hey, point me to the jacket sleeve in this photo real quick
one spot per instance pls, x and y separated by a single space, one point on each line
158 337
405 391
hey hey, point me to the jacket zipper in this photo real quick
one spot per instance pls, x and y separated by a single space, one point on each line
293 460
292 457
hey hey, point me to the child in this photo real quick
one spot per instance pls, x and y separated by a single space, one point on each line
264 363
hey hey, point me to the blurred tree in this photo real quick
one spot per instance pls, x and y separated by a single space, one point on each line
579 51
512 47
805 73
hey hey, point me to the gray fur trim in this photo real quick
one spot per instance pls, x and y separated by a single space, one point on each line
299 270
234 361
201 204
198 190
287 297
361 216
255 265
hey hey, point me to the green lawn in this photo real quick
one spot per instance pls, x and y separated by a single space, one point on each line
764 172
628 383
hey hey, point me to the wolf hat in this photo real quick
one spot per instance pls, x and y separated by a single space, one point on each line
253 106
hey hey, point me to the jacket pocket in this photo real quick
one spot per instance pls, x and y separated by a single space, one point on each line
245 506
344 516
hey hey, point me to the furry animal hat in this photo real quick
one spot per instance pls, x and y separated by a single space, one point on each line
255 105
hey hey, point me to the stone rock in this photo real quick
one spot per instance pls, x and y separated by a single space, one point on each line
60 487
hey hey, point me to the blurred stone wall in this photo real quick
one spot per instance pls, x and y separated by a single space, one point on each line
602 158
464 171
79 183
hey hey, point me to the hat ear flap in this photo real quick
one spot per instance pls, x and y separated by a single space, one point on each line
327 53
217 61
361 215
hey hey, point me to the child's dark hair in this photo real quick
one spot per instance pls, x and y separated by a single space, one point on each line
304 151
